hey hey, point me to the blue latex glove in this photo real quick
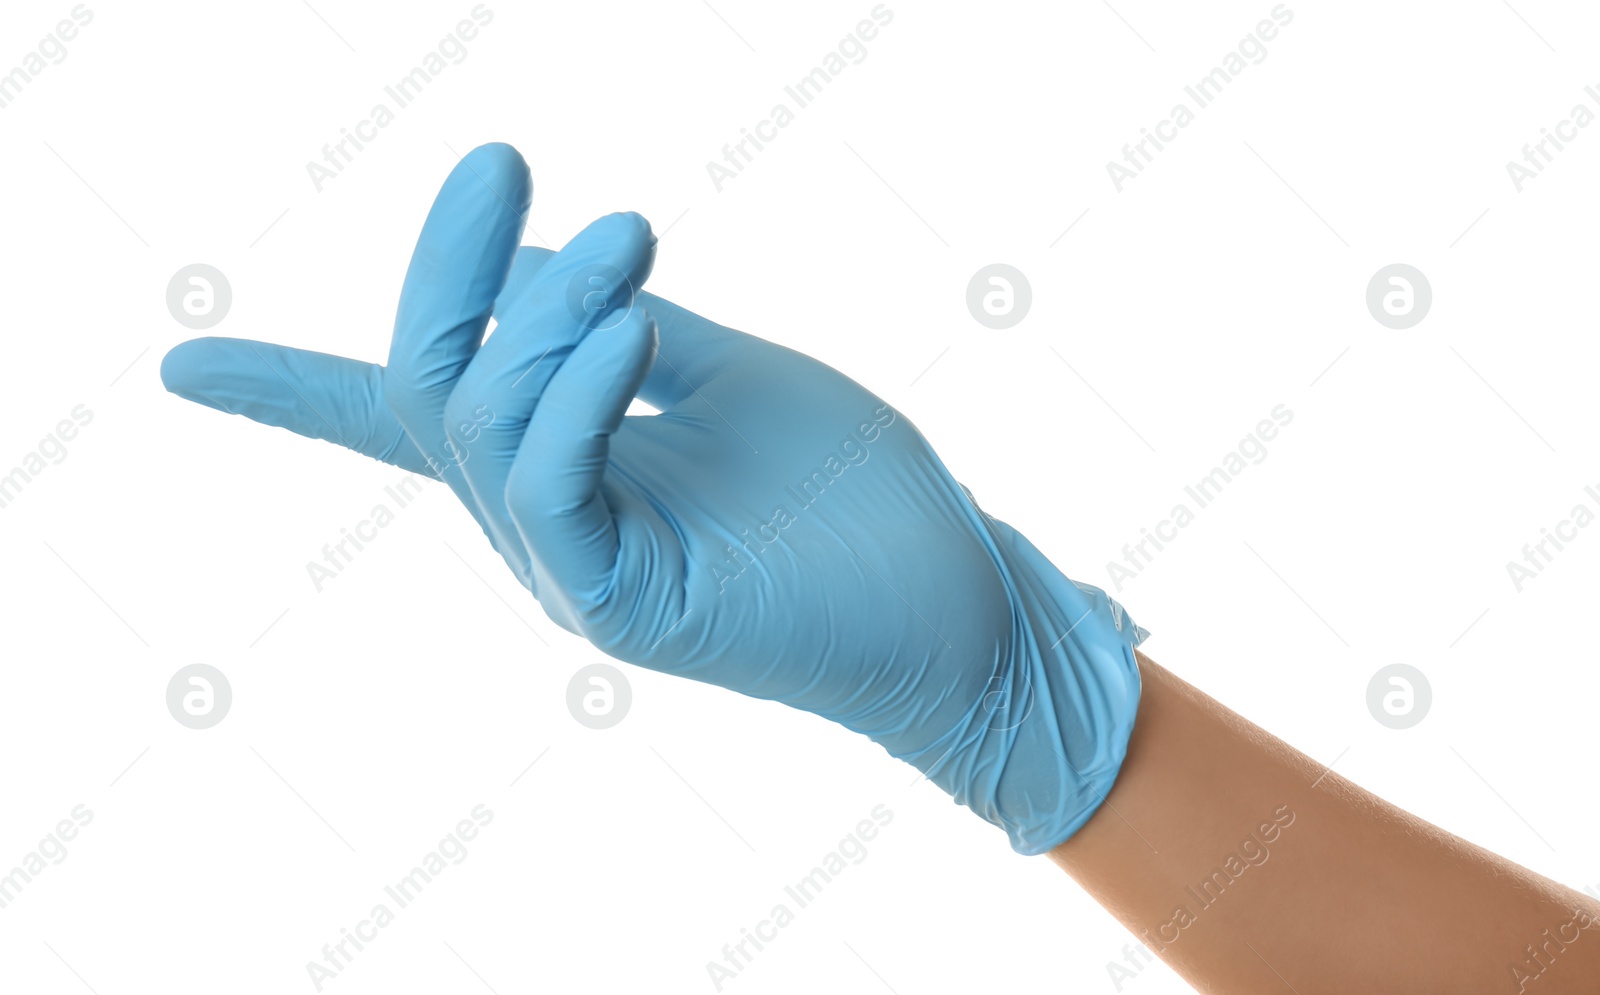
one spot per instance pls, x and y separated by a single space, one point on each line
776 529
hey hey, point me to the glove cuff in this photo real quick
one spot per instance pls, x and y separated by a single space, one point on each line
1041 750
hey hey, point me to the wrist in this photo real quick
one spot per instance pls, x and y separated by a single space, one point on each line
1080 691
1038 753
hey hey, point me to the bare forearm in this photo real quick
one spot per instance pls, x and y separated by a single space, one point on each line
1247 867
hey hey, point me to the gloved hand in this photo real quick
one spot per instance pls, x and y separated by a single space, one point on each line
776 529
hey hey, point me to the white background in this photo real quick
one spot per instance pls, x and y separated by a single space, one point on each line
1207 292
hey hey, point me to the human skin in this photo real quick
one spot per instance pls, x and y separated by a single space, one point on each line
1352 895
1348 893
